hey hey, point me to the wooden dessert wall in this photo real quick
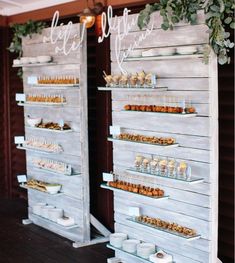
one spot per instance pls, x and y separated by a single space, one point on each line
191 205
75 200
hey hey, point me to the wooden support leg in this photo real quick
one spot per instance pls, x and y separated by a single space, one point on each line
26 221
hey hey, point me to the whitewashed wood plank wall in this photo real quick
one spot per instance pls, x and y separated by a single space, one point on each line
195 206
75 200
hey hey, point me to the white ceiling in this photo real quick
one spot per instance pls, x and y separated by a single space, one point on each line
12 7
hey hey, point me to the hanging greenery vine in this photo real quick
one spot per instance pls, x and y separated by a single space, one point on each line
23 30
219 15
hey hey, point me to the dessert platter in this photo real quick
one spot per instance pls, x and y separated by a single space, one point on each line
164 167
53 99
53 166
137 188
43 186
53 214
169 227
141 80
57 81
161 109
41 145
146 252
138 138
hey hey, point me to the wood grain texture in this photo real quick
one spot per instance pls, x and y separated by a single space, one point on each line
188 204
75 200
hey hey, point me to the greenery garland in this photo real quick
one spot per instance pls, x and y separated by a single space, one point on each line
23 30
219 15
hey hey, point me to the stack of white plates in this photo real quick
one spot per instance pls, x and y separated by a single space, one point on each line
130 245
45 211
54 214
144 250
37 208
187 50
117 239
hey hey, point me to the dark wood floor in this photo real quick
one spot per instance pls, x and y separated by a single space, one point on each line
32 244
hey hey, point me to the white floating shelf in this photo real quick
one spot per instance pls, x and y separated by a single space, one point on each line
41 104
177 115
158 229
49 130
190 181
105 186
36 150
172 57
29 188
151 144
53 223
54 172
134 89
30 65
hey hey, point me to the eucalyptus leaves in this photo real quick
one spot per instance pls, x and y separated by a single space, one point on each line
23 30
219 14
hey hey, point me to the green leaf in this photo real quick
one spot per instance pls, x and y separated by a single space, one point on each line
215 8
232 25
165 26
228 20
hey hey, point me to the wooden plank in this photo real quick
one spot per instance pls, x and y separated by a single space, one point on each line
75 200
184 153
38 38
197 126
182 208
195 35
74 161
156 20
189 68
214 172
64 140
194 97
186 141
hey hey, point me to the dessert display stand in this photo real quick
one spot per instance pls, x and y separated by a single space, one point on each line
193 205
75 200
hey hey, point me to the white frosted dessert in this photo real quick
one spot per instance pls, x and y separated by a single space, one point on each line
161 257
130 245
144 250
117 239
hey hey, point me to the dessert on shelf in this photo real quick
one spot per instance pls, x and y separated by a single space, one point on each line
58 167
41 144
158 108
137 188
60 80
146 139
53 126
135 80
43 186
163 166
45 98
161 257
164 225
